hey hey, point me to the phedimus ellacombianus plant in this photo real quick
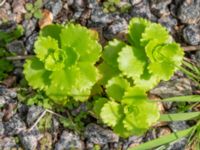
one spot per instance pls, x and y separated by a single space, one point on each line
64 65
132 69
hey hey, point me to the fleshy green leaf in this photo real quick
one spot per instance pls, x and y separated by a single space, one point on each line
98 105
61 83
136 28
110 53
44 46
164 70
53 30
107 72
86 77
131 62
116 87
147 81
111 113
35 74
73 35
155 32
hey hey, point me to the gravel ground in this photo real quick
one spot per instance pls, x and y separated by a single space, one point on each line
180 17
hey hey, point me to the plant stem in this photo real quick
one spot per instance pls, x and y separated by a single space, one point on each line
37 121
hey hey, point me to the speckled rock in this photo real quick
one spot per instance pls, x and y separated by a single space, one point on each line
118 26
135 2
159 7
79 5
29 42
178 145
178 125
54 6
99 135
14 125
191 34
1 124
132 142
29 26
7 143
16 47
30 139
142 10
100 18
68 141
33 114
189 11
174 87
169 22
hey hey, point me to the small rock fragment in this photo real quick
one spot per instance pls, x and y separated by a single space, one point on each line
30 139
16 47
189 11
29 26
47 18
191 34
159 7
7 143
98 135
175 87
14 126
69 140
55 6
33 114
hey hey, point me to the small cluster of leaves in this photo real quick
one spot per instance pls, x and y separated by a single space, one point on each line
8 32
114 5
130 70
34 10
64 65
65 69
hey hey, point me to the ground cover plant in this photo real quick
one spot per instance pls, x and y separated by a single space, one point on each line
64 67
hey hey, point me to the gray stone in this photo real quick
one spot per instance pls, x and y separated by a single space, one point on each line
135 2
92 4
33 114
189 11
98 135
55 6
14 125
191 34
2 101
29 140
169 22
142 10
178 125
175 87
68 141
178 145
78 5
29 26
22 110
118 26
70 2
197 56
7 143
30 42
16 47
160 7
99 17
1 128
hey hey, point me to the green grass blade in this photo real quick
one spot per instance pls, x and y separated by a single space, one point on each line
189 98
164 139
179 116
